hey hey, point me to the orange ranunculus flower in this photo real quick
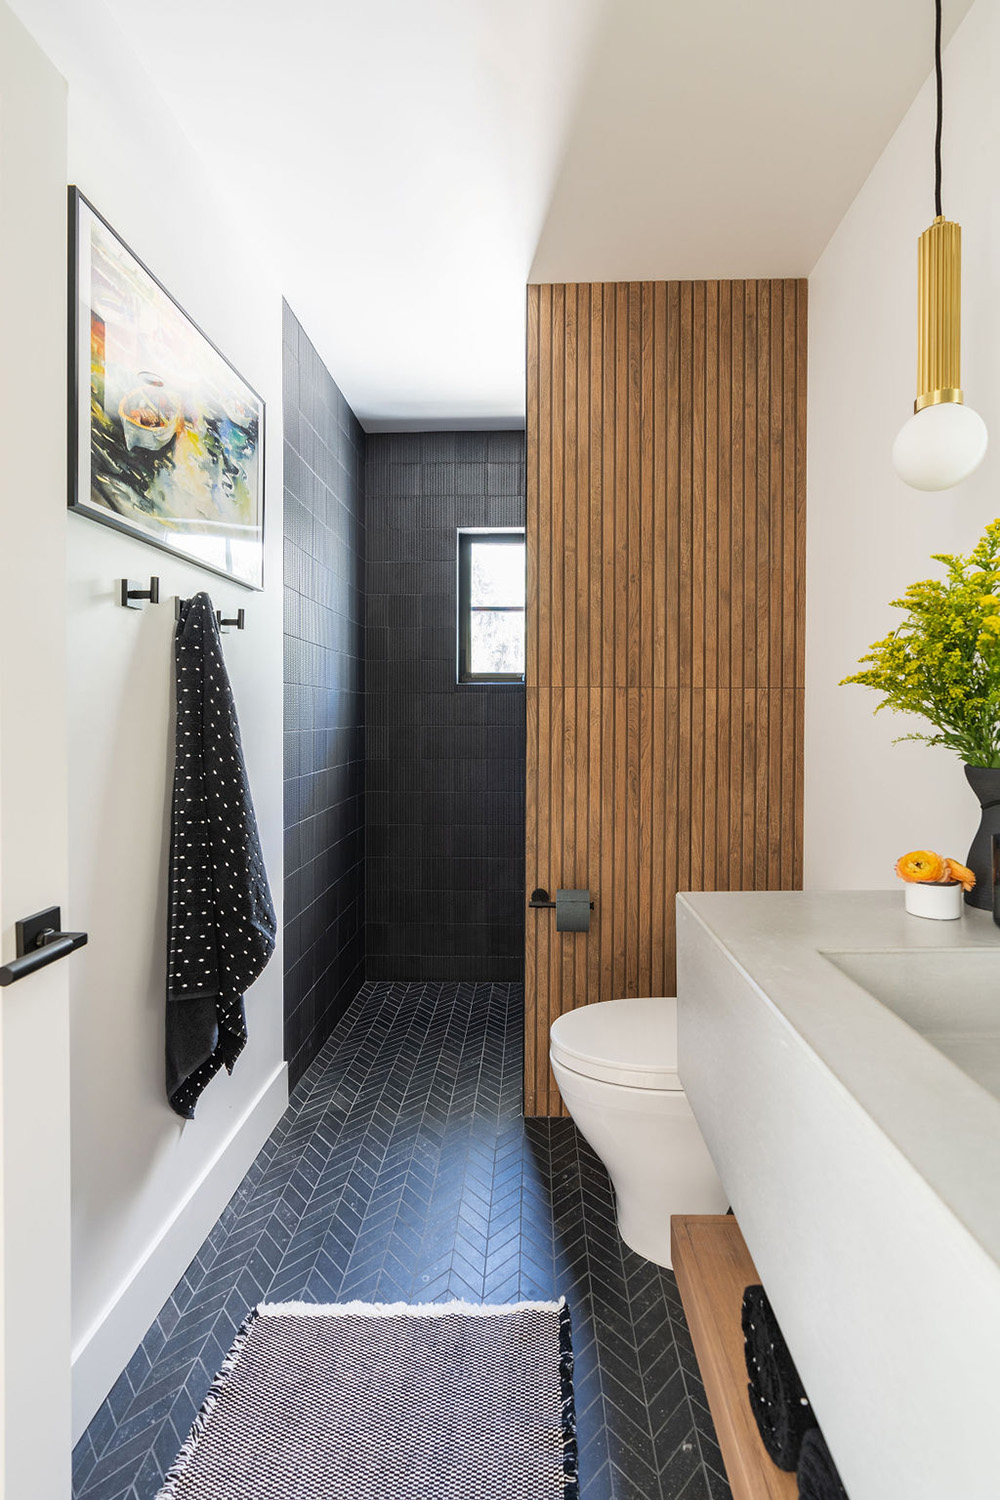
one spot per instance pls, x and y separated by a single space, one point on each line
962 873
922 865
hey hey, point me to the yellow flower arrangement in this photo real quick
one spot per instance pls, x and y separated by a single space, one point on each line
961 873
942 661
928 868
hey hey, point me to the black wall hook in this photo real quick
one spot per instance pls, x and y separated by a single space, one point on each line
131 595
238 622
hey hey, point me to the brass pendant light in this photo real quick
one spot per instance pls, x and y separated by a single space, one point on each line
945 440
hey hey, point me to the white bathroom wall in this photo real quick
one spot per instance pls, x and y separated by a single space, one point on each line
34 1012
868 535
147 1186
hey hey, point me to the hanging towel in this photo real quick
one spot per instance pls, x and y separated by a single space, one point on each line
221 923
817 1473
780 1406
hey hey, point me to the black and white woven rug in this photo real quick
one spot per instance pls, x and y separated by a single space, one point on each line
368 1402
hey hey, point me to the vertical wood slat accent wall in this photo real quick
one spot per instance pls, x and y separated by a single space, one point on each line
665 664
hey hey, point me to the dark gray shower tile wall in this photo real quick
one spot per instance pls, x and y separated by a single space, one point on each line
444 764
324 700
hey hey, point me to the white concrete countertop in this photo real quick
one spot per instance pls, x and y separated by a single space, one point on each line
943 1122
863 1166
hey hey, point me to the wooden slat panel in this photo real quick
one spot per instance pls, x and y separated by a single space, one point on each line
533 418
609 497
749 393
630 882
595 562
565 556
618 439
659 562
609 808
764 600
682 803
660 918
597 943
737 470
801 291
647 506
666 469
698 498
566 863
541 504
789 580
723 790
773 826
723 485
776 419
633 646
557 491
713 1266
584 616
709 795
536 1003
671 757
800 484
549 1001
685 560
620 811
671 357
736 738
710 493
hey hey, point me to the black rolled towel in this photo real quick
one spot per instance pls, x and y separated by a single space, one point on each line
817 1473
779 1404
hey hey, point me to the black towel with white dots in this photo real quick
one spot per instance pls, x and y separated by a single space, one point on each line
780 1406
817 1473
221 922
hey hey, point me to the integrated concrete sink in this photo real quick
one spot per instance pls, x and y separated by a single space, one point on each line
842 1059
952 998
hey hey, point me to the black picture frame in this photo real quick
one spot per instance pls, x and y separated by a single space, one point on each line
178 460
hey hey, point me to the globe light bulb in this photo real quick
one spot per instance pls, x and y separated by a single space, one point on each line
940 446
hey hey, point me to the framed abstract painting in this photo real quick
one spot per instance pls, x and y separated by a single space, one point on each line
166 437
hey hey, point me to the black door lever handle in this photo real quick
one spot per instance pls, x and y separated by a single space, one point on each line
39 942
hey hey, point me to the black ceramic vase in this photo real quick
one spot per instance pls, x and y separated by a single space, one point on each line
985 782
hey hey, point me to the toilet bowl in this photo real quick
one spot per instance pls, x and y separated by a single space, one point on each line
616 1066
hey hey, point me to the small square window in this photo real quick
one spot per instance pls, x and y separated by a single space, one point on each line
491 606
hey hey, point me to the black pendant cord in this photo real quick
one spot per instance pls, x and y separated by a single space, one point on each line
940 107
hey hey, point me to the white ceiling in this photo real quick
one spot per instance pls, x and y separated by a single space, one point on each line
421 160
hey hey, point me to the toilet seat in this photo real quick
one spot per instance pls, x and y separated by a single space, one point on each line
631 1042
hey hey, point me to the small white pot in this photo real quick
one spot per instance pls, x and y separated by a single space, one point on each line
942 902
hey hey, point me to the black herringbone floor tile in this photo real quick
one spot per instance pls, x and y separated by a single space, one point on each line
403 1172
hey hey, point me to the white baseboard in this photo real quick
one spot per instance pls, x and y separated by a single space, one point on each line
109 1344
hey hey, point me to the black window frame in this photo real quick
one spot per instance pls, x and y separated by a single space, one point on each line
499 535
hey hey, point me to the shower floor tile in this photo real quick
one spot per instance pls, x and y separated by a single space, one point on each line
404 1172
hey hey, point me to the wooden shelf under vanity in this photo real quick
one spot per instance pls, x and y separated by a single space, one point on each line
713 1266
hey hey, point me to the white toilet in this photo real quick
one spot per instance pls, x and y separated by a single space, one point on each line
616 1066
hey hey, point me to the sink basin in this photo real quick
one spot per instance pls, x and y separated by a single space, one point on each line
951 997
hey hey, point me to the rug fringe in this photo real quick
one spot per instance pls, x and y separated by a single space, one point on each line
571 1472
168 1491
396 1309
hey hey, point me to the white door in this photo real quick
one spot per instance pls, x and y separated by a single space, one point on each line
34 1011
